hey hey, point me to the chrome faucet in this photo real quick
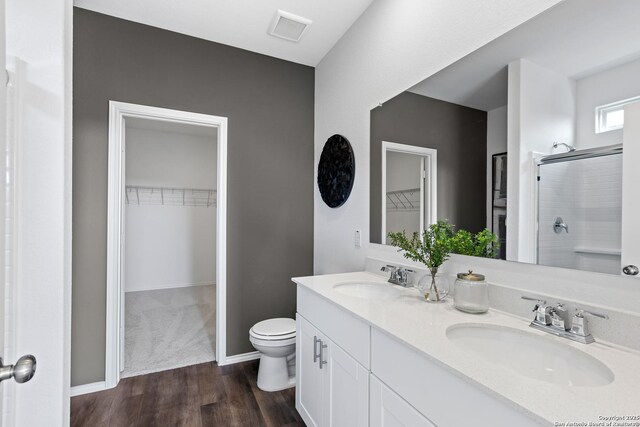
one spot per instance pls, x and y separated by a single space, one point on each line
557 320
560 317
580 325
398 275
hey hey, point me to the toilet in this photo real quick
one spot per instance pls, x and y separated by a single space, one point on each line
275 339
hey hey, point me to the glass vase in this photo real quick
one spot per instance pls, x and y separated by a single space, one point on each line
434 287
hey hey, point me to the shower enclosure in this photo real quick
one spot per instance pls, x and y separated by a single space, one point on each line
580 210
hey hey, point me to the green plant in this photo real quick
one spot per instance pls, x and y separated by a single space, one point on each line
483 244
439 241
431 249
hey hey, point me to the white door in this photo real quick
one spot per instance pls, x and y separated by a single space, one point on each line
630 191
390 410
309 377
3 148
348 388
37 286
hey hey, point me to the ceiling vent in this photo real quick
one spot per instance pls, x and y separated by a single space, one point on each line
289 26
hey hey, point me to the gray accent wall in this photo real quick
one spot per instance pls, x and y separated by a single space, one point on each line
270 106
460 136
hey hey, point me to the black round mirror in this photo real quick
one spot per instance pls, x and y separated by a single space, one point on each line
336 171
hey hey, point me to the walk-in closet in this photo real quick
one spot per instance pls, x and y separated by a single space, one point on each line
169 245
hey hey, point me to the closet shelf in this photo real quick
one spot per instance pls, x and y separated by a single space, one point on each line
168 196
403 200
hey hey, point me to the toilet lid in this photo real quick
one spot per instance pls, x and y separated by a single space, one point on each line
275 327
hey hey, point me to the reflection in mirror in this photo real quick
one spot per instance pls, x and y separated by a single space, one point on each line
497 209
530 131
409 185
457 133
580 210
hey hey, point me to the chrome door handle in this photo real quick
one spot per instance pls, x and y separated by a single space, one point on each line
630 270
21 372
315 345
322 347
560 225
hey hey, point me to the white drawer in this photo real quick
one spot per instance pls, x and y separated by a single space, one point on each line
441 396
346 330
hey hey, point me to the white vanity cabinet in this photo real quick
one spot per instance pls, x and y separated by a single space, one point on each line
332 387
310 379
388 409
445 398
352 374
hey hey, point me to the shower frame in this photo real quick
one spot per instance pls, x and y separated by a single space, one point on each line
587 153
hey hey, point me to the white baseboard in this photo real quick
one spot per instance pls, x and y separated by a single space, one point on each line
88 388
238 358
168 286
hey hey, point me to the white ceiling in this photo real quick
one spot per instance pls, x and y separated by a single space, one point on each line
243 23
576 38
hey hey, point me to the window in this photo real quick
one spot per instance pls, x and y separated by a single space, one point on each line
611 116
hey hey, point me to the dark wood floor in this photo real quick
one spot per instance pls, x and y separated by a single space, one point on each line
199 396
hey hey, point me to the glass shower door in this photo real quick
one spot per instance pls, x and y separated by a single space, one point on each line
580 213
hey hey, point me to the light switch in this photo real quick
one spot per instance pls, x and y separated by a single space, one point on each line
357 238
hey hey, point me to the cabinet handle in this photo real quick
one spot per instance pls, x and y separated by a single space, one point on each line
315 345
322 347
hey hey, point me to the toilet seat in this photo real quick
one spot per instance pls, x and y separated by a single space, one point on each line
278 329
272 343
272 338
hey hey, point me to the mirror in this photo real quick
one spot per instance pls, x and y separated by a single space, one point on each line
533 136
409 182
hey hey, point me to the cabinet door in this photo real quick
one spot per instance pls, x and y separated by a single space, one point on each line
390 410
348 388
310 394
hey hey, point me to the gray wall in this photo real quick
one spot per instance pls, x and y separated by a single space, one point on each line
269 103
460 136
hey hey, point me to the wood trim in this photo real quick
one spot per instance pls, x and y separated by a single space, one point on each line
221 244
118 111
238 358
88 388
430 155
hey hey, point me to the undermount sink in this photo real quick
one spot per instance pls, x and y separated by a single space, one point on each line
539 357
366 290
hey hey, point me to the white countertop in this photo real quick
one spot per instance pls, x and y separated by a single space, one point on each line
423 326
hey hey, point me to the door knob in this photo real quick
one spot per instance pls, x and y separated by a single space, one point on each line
21 372
630 270
560 225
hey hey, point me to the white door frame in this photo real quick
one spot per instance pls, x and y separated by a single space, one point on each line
118 112
430 163
630 175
